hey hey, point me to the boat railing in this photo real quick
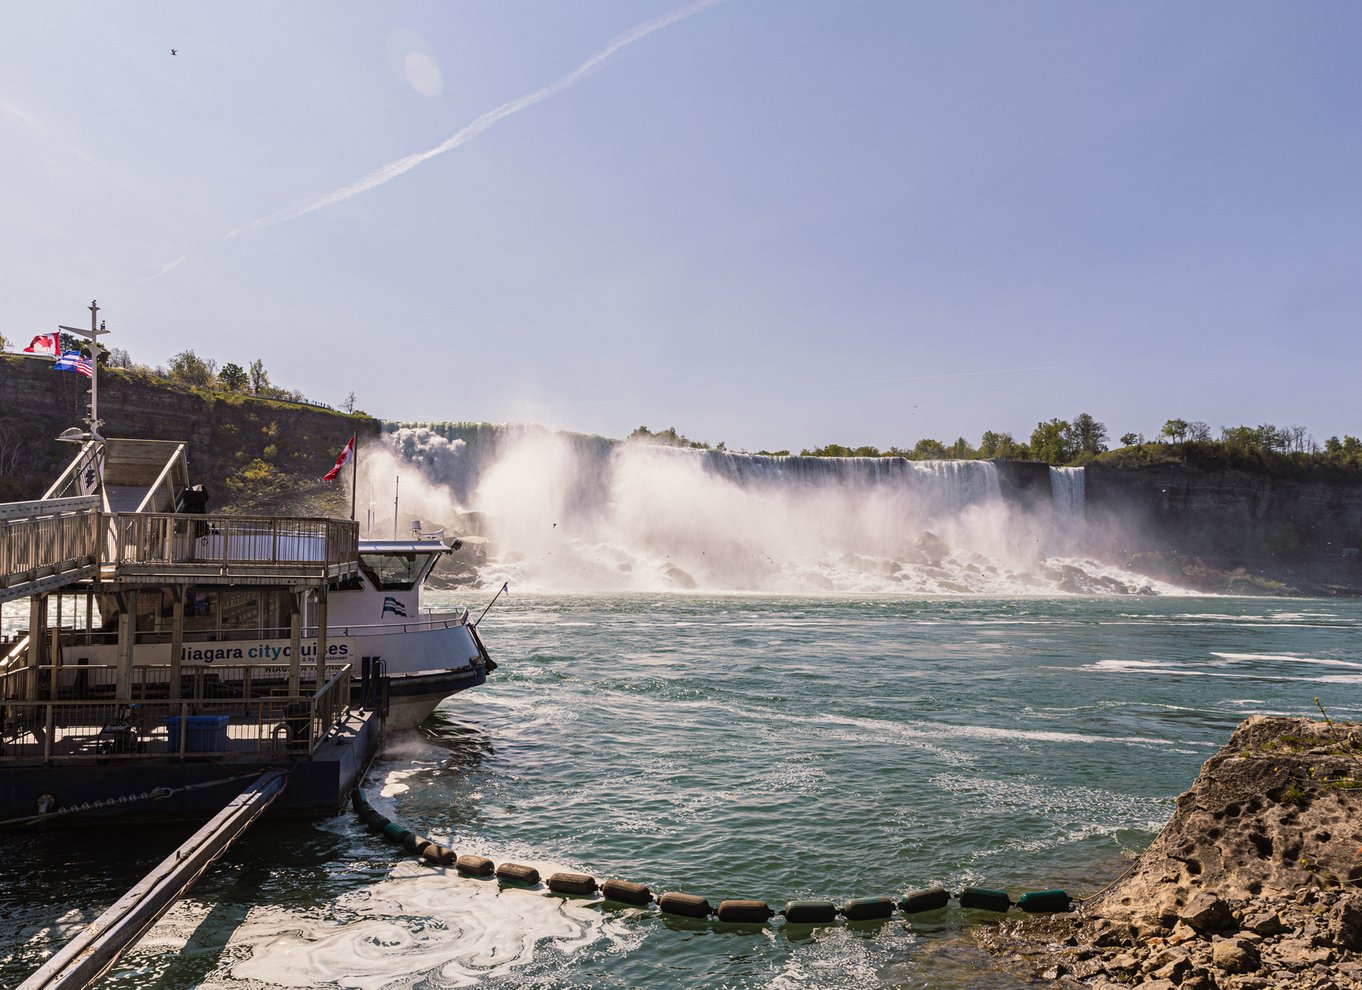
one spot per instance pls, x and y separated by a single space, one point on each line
449 620
246 712
171 543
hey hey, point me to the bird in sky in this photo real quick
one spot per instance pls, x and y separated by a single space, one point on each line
174 51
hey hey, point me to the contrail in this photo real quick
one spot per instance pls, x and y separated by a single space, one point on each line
170 266
403 165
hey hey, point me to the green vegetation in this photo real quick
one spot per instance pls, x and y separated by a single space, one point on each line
670 438
262 450
1265 448
198 373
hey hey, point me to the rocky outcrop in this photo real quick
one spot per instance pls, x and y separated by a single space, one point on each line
1255 882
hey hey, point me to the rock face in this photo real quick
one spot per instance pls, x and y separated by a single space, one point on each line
1275 811
1255 882
252 454
1231 530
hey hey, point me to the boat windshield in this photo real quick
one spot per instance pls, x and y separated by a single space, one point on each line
394 571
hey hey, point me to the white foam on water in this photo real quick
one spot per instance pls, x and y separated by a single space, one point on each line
1287 658
418 927
945 730
1144 667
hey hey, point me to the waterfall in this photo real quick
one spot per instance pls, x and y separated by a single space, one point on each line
569 512
1066 492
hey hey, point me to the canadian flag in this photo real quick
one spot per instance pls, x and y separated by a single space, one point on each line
45 343
345 456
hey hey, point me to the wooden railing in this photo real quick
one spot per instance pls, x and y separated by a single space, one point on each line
234 717
167 543
44 544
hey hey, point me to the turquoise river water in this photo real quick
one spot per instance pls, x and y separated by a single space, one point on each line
737 746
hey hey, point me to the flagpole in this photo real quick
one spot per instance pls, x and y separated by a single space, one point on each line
93 334
504 587
354 477
94 370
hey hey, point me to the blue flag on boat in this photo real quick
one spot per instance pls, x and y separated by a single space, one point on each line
397 608
72 361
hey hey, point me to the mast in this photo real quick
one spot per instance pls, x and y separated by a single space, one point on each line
92 335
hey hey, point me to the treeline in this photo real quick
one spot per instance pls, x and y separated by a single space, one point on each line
188 368
1084 439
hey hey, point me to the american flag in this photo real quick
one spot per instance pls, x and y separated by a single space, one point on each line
72 361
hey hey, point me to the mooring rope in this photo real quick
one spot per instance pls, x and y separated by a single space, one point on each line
155 794
738 910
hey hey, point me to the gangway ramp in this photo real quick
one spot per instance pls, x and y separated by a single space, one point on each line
48 544
90 954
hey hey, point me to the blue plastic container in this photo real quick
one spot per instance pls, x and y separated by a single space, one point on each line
206 734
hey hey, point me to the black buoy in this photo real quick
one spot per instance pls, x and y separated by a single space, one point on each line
1045 902
439 855
626 892
917 901
810 912
571 883
516 873
685 905
744 911
474 866
868 908
985 898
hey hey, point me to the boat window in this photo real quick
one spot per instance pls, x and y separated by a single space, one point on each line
393 571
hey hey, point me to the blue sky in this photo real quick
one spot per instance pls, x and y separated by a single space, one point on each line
775 224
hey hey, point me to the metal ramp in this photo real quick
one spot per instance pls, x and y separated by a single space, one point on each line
138 475
48 544
89 955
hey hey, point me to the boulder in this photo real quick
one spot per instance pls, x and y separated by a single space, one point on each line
1345 923
1208 913
1235 955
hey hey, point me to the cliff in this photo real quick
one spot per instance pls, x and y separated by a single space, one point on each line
1228 528
250 454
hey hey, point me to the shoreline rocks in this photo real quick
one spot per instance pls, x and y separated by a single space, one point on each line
1255 883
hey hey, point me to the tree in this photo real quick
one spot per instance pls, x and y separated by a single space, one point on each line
1131 439
928 449
1050 442
1175 430
119 358
191 369
1199 431
960 450
4 342
828 450
348 404
260 379
233 377
1087 435
999 445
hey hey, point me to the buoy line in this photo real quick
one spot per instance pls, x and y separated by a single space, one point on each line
676 904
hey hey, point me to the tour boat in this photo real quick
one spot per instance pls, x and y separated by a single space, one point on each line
224 597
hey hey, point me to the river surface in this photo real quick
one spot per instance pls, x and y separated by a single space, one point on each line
737 746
